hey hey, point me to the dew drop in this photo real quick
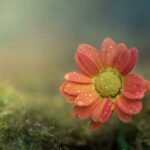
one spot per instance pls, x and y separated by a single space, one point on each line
110 46
80 103
67 77
65 90
78 91
90 95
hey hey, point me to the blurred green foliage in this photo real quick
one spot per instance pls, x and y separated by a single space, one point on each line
28 123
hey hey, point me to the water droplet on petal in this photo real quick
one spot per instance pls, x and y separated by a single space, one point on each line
78 91
80 103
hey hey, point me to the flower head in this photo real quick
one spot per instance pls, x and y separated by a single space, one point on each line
105 85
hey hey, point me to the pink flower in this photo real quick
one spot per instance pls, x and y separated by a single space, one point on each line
105 84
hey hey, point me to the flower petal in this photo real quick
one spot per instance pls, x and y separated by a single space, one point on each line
133 87
75 89
125 59
108 52
132 60
94 125
88 57
77 77
82 68
83 112
122 116
85 99
90 52
90 65
103 111
129 107
122 57
69 98
121 46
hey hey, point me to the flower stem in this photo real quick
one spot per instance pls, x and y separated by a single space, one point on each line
123 145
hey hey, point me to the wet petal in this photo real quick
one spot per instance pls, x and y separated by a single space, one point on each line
86 61
77 77
133 87
88 57
122 116
103 111
90 52
75 89
129 107
132 60
125 59
122 58
120 47
94 125
83 112
108 52
82 68
69 98
85 99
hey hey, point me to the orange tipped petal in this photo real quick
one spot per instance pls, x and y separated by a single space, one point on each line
94 125
85 99
125 59
88 57
129 107
90 52
82 68
133 87
83 112
122 116
108 52
122 58
97 112
88 63
75 89
120 47
103 111
69 98
132 60
77 77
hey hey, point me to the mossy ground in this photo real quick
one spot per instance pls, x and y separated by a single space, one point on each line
43 123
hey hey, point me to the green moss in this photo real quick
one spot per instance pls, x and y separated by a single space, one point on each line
35 122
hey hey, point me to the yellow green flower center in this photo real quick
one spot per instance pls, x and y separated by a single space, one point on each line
108 83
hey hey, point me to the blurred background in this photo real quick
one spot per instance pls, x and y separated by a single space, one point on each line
38 40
